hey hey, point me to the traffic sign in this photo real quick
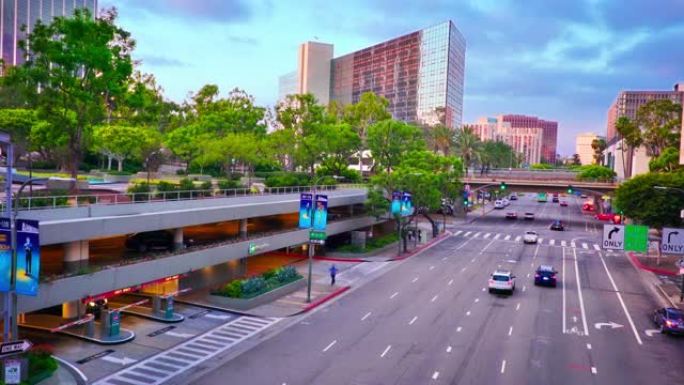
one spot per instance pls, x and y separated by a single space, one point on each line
636 238
317 237
673 241
14 347
613 237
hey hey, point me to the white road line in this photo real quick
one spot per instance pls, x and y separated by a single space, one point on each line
387 349
413 320
477 300
458 232
507 237
585 246
396 293
463 269
517 307
450 282
581 298
468 312
624 307
477 234
552 242
487 235
448 349
563 289
540 240
503 366
517 239
593 370
435 375
414 280
444 258
467 233
528 275
434 299
365 316
563 243
597 247
524 288
458 329
589 346
484 289
572 244
497 236
472 260
330 345
510 330
432 267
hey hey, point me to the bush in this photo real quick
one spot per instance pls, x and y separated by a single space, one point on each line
287 179
596 173
253 286
268 274
541 166
180 172
139 192
287 274
227 184
44 198
119 173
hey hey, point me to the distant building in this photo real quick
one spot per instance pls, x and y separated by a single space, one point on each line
287 85
583 147
421 74
527 141
549 133
17 13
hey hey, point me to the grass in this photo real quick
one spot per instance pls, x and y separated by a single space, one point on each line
48 174
371 244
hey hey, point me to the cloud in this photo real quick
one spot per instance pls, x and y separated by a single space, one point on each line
243 40
220 11
163 61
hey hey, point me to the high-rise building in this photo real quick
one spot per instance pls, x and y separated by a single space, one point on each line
549 133
421 74
527 141
17 13
583 147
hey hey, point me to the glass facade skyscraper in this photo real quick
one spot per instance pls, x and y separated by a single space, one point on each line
17 13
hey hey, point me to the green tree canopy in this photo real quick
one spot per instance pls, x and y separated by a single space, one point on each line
599 146
389 140
593 172
119 142
467 146
667 161
639 200
659 123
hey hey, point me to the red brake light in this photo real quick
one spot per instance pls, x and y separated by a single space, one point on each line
669 323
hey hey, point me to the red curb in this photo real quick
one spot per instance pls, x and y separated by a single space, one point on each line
327 298
641 266
421 248
334 259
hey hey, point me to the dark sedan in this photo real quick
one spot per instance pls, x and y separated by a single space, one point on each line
669 320
557 226
545 276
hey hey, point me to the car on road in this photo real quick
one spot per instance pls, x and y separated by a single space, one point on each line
557 225
669 320
530 237
554 199
563 204
513 197
498 204
505 201
608 217
545 275
511 215
151 240
501 280
529 216
583 196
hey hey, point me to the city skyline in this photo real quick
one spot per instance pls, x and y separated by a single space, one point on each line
566 63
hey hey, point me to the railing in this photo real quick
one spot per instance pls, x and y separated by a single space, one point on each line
82 200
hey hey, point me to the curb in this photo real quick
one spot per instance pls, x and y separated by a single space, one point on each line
426 246
325 299
339 259
79 376
667 297
637 263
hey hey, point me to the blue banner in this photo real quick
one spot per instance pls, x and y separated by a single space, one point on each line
396 203
305 202
320 216
28 257
406 204
5 255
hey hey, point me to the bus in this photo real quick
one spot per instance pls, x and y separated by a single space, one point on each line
541 197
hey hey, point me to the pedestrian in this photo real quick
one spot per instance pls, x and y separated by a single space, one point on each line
333 273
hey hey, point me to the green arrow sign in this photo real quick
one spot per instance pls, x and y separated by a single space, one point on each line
636 238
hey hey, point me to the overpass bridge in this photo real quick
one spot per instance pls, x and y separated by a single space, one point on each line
517 183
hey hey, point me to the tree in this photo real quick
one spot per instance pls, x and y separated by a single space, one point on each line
440 138
599 146
594 172
144 104
389 140
667 161
186 142
18 122
339 142
576 160
639 200
467 145
75 67
659 122
370 109
149 149
118 142
631 138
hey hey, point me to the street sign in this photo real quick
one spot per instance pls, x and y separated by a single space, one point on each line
317 237
636 238
613 237
12 372
14 347
673 241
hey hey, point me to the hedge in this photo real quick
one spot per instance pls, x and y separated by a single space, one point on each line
254 286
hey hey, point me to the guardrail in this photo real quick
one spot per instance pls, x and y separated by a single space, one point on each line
82 200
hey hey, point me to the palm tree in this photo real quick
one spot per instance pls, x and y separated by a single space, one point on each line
467 145
598 145
440 138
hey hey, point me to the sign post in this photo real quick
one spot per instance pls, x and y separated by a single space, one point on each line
613 237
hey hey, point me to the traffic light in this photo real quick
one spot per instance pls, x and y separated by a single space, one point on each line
503 186
569 189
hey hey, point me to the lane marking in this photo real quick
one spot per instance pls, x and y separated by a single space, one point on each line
563 243
517 307
330 345
503 366
468 233
458 329
414 280
477 234
528 275
517 239
458 232
468 312
507 237
597 247
477 300
540 240
472 260
365 316
552 242
497 236
510 330
450 282
432 267
435 375
524 288
413 320
433 299
487 235
593 370
448 349
444 258
624 307
589 346
563 290
463 269
585 246
387 349
394 295
572 244
581 297
484 289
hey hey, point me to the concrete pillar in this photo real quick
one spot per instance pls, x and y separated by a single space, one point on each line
72 310
242 267
243 229
178 238
76 255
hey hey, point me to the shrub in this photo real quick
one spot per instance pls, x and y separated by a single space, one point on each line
287 274
273 282
596 173
180 171
269 274
164 186
227 184
234 289
287 179
119 173
253 286
138 192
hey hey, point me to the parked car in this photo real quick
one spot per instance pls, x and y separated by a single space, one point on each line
530 237
669 320
511 215
152 240
499 205
529 216
563 204
557 225
502 280
545 275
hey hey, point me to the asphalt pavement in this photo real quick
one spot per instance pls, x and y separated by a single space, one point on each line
430 319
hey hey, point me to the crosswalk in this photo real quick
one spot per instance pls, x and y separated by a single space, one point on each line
518 238
160 368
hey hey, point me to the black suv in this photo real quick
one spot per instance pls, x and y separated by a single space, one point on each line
557 225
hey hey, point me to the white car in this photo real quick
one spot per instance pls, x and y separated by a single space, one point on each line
505 201
502 280
530 237
498 204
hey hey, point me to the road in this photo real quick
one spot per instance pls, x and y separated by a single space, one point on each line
430 318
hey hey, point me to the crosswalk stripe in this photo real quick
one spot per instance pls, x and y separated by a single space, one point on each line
563 243
572 244
487 235
596 247
477 234
552 242
467 233
540 240
497 236
585 246
507 237
517 239
458 232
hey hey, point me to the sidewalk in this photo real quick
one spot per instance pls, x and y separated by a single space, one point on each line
665 272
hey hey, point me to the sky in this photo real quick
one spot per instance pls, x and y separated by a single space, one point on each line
557 59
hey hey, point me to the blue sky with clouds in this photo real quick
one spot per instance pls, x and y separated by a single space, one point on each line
562 60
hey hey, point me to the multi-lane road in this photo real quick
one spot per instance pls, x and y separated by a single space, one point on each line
430 319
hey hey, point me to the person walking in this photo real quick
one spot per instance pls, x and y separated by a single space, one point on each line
333 273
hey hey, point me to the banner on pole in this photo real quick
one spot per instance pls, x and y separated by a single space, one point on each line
5 255
305 202
320 217
406 204
28 256
396 203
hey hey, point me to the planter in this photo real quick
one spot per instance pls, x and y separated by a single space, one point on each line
117 178
246 304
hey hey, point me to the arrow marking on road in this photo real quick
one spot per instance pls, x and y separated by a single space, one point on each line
121 361
574 319
179 335
218 316
651 332
611 325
